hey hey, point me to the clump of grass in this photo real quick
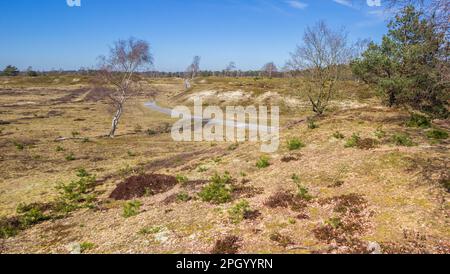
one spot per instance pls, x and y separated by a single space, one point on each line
85 246
59 149
125 171
70 157
263 162
239 211
202 169
85 140
312 124
418 120
19 146
302 191
402 139
131 208
338 135
77 193
437 134
295 144
150 230
183 197
353 141
334 222
181 179
75 134
131 153
380 133
282 240
218 191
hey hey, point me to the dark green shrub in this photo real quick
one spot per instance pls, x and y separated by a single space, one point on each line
417 120
183 197
380 133
181 179
437 134
131 208
70 157
402 139
237 212
30 215
312 124
218 191
77 193
353 141
302 191
19 146
295 144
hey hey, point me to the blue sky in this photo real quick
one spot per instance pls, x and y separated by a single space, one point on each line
48 34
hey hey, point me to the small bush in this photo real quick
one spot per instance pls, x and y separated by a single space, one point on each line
9 227
30 215
181 179
353 141
312 124
239 211
86 246
202 169
295 144
19 146
85 140
218 191
59 149
75 134
131 208
380 133
338 135
402 139
282 240
334 222
76 194
70 157
263 162
437 134
183 197
302 191
417 120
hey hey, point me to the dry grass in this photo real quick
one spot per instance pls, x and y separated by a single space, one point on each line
390 178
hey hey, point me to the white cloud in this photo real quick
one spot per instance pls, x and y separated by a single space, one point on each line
347 3
297 4
374 3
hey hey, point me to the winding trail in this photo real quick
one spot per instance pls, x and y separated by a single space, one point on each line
228 123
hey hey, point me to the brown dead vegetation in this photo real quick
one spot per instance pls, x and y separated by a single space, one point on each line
143 185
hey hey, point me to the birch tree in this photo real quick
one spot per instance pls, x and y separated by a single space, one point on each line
118 73
321 57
